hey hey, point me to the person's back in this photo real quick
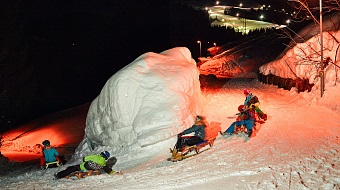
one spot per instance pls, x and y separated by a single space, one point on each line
198 128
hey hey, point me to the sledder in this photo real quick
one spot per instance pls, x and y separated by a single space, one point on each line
91 165
245 122
188 144
253 102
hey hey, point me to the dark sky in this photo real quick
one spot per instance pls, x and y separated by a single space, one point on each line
58 54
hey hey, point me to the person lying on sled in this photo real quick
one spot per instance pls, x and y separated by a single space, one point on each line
253 100
246 118
199 134
91 162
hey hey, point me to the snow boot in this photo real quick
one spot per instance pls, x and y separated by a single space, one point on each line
249 133
56 176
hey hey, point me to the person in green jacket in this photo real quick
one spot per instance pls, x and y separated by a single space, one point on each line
91 162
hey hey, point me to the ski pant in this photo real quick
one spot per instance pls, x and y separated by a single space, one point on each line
189 141
249 123
67 171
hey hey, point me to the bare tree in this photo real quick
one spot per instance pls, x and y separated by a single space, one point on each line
309 55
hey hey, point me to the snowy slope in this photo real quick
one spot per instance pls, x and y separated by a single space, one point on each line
297 148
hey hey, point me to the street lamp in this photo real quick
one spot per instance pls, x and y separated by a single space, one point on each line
200 46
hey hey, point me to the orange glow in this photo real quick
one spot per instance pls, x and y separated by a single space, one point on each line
61 129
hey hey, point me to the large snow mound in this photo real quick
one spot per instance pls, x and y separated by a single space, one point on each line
148 101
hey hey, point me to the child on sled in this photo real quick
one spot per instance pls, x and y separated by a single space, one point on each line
199 134
245 118
252 101
91 162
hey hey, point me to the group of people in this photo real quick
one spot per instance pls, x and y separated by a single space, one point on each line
246 117
91 162
247 114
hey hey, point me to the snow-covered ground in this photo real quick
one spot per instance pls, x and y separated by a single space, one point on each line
297 148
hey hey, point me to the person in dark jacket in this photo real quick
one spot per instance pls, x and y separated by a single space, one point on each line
91 162
253 101
50 154
199 134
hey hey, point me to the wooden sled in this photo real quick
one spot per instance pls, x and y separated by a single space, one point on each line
185 151
83 174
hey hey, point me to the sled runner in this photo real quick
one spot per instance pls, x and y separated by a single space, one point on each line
189 151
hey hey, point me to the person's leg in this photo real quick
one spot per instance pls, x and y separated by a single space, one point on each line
193 140
231 129
260 113
249 125
68 170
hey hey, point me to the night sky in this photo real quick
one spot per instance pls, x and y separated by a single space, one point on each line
58 54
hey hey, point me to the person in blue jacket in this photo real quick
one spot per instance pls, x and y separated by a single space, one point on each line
199 134
50 154
245 118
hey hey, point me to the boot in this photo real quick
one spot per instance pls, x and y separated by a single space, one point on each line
249 133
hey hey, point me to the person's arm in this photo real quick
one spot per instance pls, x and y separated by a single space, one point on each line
108 170
56 152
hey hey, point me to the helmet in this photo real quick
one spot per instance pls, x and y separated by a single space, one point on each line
240 108
246 92
105 154
46 143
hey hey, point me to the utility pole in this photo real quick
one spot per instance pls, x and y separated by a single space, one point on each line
322 72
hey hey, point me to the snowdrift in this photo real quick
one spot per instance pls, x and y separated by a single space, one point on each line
148 101
303 60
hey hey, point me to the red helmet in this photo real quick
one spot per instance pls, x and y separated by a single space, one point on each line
240 108
246 92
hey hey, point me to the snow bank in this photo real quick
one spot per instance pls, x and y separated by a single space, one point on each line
303 61
148 101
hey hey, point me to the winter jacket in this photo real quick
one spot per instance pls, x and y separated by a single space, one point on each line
50 154
248 114
95 162
251 99
199 130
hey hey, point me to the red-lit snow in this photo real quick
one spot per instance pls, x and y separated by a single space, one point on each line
297 148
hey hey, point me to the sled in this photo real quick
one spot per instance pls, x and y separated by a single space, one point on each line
48 164
82 174
189 151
